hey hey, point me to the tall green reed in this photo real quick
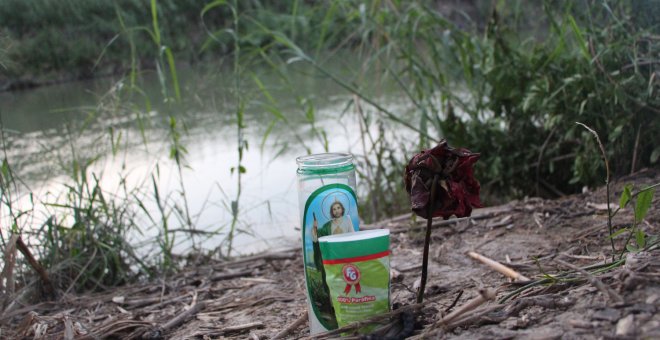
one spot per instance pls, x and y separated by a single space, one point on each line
239 99
12 215
82 240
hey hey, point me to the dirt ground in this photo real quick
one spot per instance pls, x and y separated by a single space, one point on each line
262 296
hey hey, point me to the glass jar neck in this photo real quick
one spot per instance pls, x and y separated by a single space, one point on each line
325 163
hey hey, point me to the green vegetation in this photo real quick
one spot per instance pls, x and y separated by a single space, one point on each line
644 198
507 80
66 38
50 39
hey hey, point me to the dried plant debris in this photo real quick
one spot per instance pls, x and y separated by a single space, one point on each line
561 246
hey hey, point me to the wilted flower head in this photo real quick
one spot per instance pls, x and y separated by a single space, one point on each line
457 192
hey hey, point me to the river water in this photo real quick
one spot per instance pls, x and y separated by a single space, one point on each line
126 137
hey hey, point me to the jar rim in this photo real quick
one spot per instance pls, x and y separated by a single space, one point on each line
325 163
324 160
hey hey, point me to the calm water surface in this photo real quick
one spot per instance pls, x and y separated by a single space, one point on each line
128 138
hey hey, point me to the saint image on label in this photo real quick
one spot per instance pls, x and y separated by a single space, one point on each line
330 210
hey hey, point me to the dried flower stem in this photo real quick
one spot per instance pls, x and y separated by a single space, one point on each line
427 241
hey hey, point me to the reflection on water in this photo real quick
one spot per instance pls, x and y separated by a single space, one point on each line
129 140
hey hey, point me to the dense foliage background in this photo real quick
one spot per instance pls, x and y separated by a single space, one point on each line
520 75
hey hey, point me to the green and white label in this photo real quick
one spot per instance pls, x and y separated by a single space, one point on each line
357 274
330 210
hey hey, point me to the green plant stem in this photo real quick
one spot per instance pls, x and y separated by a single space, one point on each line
633 230
239 126
565 277
427 241
525 287
609 210
165 243
607 186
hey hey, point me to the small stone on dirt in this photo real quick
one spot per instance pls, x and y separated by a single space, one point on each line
607 314
626 325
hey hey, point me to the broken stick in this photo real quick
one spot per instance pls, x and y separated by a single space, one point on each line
283 333
484 296
500 268
459 315
47 285
179 319
243 327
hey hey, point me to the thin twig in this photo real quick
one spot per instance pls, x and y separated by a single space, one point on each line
453 304
281 334
179 319
470 318
91 258
513 309
167 302
640 63
500 268
485 295
551 187
243 327
462 313
229 276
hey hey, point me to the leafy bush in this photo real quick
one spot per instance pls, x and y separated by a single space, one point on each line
515 91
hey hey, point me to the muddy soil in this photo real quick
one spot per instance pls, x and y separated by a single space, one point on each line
262 296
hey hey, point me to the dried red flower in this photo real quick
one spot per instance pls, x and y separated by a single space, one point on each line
457 191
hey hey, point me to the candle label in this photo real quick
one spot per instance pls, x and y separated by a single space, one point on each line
330 210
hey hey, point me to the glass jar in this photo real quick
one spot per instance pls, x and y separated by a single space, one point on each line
328 206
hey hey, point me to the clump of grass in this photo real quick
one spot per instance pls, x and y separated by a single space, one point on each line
83 241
